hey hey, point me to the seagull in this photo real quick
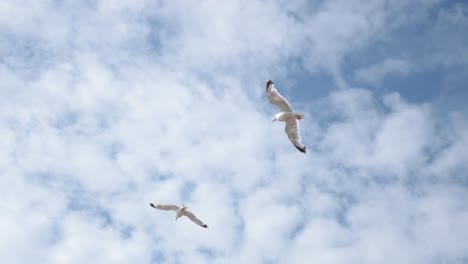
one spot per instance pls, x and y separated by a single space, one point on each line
286 114
180 211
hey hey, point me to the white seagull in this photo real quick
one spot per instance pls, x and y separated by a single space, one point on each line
286 114
180 211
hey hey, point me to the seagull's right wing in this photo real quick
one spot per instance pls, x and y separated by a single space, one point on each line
276 98
292 130
195 219
166 207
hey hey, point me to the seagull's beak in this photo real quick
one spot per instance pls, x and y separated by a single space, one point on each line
274 119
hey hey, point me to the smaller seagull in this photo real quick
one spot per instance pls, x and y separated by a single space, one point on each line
286 114
180 211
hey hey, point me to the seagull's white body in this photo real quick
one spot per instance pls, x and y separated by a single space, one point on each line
286 114
180 211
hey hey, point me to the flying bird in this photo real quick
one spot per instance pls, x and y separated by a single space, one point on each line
286 114
180 211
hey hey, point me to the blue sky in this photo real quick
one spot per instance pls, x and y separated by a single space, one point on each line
109 105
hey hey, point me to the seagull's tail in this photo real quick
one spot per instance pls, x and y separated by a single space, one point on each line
298 115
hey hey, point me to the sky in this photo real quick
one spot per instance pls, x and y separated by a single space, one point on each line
106 106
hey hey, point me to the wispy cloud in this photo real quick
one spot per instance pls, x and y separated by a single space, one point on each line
388 68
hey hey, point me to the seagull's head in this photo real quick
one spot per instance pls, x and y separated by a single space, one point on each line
278 117
184 207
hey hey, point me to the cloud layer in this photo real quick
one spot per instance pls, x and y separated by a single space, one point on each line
107 106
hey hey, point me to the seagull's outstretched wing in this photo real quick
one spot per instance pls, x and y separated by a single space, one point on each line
195 219
292 130
166 207
276 98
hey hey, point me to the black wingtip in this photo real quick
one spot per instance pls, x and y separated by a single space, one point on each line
268 84
152 205
303 150
205 226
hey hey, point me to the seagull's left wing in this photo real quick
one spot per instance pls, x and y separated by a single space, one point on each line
195 219
166 207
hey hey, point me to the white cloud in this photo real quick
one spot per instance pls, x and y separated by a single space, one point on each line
375 73
447 45
164 102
